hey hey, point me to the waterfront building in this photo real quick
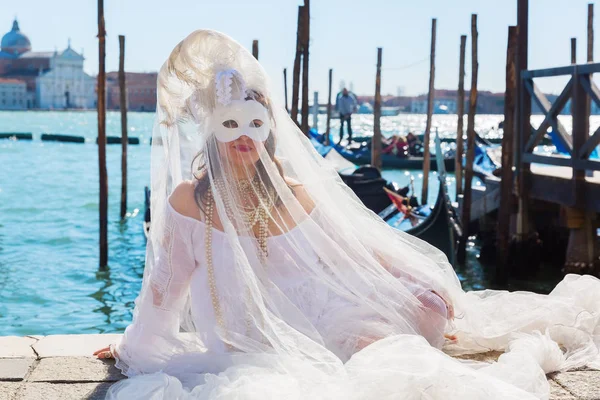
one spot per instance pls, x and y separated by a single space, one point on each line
13 94
141 91
53 80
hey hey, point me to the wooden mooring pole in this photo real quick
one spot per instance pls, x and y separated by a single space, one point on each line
506 185
376 142
580 249
580 257
296 70
573 51
430 96
466 209
255 48
327 129
590 49
305 45
460 110
590 59
315 111
523 228
124 135
590 33
285 91
101 107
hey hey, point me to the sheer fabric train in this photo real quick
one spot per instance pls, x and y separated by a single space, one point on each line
325 302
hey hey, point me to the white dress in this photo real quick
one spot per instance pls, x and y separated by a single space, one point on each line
405 365
184 261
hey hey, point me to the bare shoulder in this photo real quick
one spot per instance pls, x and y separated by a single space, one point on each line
301 194
183 200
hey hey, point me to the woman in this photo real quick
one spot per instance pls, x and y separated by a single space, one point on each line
266 277
397 146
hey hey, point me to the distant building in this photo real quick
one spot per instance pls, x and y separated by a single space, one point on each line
54 80
13 94
445 102
440 106
141 91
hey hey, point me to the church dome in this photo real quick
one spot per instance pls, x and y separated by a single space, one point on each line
14 42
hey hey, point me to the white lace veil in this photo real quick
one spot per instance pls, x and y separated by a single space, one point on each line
367 280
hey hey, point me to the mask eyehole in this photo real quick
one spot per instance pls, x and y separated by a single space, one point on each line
256 123
231 124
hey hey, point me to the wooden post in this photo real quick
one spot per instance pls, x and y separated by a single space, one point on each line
461 114
306 39
315 123
466 211
573 50
506 185
590 34
123 106
101 107
590 59
296 70
255 48
524 116
327 129
285 91
430 96
580 248
376 141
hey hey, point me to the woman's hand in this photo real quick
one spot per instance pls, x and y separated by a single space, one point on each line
104 353
450 311
449 306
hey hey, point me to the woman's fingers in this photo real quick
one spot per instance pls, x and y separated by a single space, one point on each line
100 353
101 350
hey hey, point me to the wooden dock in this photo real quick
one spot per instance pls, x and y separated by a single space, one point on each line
555 184
486 197
485 200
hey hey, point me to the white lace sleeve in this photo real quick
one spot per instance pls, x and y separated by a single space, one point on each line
152 338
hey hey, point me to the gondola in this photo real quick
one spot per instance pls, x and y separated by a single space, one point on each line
146 224
440 227
361 155
391 161
365 181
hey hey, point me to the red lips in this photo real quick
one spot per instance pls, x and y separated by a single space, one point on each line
243 148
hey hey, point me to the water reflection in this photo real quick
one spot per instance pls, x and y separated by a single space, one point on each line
104 296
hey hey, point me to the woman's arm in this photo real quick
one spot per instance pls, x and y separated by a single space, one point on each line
152 337
301 195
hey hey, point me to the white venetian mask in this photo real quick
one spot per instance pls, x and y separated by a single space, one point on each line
241 117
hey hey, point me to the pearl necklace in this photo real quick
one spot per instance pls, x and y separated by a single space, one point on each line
251 214
259 214
209 267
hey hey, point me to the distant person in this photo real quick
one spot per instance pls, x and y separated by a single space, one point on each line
346 104
415 146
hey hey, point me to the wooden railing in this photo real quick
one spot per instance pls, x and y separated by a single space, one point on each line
579 144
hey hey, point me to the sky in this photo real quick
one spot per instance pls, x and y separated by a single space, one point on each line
344 36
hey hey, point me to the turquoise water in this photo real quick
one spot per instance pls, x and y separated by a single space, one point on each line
49 277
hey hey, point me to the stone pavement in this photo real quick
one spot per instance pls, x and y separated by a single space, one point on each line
62 367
